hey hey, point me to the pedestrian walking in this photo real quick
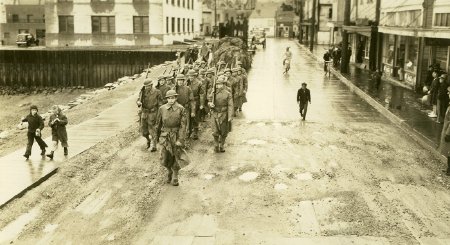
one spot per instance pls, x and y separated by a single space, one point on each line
35 126
150 100
57 122
326 59
221 103
445 137
287 60
171 125
433 92
303 98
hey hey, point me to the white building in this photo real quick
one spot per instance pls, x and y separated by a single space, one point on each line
263 17
121 22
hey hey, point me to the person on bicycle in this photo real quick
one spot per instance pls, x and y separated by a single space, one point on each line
287 60
326 60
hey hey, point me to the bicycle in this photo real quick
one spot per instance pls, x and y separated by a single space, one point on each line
286 65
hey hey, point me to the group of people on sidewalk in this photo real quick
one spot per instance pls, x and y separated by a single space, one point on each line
173 107
57 122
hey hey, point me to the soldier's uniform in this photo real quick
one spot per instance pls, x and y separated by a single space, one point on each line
163 87
238 89
150 99
197 92
171 123
221 103
207 84
185 98
245 84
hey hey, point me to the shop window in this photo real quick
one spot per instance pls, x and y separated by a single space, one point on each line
65 23
24 31
29 18
412 47
388 49
103 24
140 24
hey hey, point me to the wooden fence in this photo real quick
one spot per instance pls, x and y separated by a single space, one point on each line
69 68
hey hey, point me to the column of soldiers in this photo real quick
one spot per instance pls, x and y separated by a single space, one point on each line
173 107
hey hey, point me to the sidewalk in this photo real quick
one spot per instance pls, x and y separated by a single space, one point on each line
401 105
18 175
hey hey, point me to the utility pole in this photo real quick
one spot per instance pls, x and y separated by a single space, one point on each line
300 28
345 59
374 39
313 26
215 12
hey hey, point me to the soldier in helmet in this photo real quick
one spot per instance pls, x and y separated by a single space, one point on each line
238 88
171 128
197 90
221 103
185 98
150 99
163 87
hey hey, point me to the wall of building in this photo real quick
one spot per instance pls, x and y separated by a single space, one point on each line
157 12
30 18
267 23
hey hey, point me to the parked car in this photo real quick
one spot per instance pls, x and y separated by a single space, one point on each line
26 39
258 37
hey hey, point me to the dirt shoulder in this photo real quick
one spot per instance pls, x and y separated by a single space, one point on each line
14 107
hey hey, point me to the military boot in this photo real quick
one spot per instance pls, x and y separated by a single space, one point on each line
448 167
152 145
50 155
195 134
169 176
217 146
66 151
175 178
222 145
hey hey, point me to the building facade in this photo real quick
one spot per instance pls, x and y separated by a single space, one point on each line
263 17
121 22
25 16
323 15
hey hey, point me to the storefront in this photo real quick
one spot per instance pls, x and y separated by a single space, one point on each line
438 52
400 55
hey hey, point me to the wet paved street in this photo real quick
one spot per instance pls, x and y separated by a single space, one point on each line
344 176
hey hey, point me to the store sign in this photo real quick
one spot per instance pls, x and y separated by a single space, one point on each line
437 42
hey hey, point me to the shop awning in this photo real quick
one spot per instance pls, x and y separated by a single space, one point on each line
415 32
363 30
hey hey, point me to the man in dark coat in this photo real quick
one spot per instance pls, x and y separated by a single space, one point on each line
197 91
326 59
57 122
185 97
35 125
303 97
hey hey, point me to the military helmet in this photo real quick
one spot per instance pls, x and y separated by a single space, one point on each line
181 77
238 62
191 72
235 69
220 80
210 71
227 70
147 82
201 71
160 77
171 93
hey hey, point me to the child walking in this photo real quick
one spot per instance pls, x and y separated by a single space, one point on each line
58 122
35 125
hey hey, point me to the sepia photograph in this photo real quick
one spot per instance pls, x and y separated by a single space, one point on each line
225 122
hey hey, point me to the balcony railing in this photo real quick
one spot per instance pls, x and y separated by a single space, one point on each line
25 20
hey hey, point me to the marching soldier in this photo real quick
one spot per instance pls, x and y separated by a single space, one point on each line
163 87
243 76
171 128
150 100
221 103
185 98
238 88
197 90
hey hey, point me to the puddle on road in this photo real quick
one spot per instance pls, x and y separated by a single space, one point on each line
280 187
13 229
304 176
249 176
256 142
208 176
50 228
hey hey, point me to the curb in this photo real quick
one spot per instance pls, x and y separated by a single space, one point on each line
397 121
